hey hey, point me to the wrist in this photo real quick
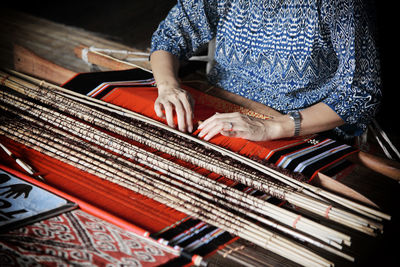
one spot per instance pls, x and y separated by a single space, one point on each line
295 116
281 127
167 85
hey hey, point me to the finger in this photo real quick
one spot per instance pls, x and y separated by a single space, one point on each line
236 126
187 105
189 121
189 117
213 132
216 124
212 129
205 122
208 121
158 109
220 116
206 127
180 114
190 100
169 114
219 124
228 126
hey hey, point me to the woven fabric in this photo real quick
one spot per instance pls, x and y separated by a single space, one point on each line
117 200
77 238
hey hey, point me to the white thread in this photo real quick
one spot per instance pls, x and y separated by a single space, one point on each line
116 51
386 138
84 55
86 50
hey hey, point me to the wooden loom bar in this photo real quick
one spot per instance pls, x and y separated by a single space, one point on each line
102 59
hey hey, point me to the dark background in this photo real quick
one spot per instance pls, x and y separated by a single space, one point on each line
131 22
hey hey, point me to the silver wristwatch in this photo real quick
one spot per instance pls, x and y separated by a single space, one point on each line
296 117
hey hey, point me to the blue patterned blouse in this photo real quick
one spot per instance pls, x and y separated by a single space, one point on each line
286 54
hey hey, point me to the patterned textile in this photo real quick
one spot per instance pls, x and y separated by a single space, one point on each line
285 54
77 238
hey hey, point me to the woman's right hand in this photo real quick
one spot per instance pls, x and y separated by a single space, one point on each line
174 99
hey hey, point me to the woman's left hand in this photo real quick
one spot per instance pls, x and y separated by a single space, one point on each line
238 125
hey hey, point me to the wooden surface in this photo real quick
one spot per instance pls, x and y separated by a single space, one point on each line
52 41
56 43
26 61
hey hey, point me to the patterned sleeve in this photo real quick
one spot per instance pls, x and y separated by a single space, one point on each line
356 84
189 25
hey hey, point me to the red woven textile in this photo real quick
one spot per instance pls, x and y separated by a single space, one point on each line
77 238
112 198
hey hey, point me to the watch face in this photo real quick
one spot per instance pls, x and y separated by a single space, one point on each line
294 115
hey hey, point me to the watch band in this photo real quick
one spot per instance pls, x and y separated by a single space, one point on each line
296 117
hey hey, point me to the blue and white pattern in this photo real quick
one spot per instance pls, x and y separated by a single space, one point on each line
286 54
